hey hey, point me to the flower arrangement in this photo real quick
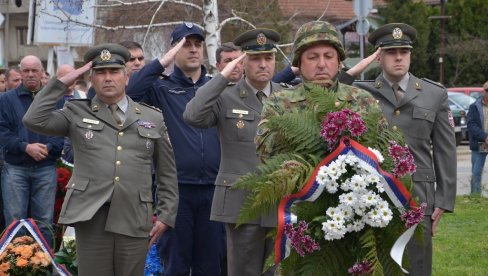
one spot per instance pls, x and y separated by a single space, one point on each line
341 204
63 175
24 256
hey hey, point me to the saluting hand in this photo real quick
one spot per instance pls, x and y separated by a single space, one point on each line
72 76
170 55
157 230
227 71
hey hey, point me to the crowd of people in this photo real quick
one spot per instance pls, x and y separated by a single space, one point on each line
142 140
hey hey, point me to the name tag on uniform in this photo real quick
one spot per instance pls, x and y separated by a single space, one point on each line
238 111
90 121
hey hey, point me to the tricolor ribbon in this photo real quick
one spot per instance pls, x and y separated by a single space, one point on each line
31 226
395 190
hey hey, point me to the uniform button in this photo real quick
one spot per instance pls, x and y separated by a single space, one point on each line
394 128
118 163
240 116
119 147
121 134
425 115
149 135
427 177
117 179
225 181
89 126
72 185
397 112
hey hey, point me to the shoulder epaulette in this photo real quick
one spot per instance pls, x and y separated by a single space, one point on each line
150 106
434 83
362 81
79 100
231 83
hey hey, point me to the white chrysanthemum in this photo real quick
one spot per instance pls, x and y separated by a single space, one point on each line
357 183
369 199
382 205
359 209
357 225
373 218
332 211
333 230
372 178
380 187
322 176
332 187
378 154
348 199
347 211
386 217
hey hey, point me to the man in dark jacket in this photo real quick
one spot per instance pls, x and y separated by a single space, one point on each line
29 172
478 139
195 244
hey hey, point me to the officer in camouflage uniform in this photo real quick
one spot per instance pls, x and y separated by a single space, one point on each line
318 53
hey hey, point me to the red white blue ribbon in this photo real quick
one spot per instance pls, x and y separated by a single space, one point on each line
395 190
31 226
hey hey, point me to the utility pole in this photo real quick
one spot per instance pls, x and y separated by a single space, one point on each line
442 32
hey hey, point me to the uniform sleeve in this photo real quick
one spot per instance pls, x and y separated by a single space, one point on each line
444 153
203 110
167 184
42 116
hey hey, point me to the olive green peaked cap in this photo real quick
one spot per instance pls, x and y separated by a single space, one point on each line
393 35
107 55
258 41
313 32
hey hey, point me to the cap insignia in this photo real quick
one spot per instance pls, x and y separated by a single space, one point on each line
189 25
105 55
397 33
261 39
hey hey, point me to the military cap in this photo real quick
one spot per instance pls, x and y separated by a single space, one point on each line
393 35
184 30
313 32
258 41
107 55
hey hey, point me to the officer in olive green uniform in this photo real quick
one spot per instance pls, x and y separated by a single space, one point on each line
235 109
324 53
109 199
420 109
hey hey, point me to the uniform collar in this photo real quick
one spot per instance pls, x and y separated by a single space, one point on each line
178 74
266 90
403 84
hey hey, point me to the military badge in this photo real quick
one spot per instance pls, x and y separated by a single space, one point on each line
90 121
146 124
148 143
240 124
261 39
397 33
189 25
105 55
88 135
451 118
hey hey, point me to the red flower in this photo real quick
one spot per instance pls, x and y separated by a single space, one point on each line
63 175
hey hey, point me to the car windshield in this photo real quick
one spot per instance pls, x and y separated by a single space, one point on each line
461 99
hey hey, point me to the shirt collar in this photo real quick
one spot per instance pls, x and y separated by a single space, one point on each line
266 90
122 104
403 84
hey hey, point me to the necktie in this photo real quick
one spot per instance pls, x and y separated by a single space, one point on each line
260 95
398 91
113 111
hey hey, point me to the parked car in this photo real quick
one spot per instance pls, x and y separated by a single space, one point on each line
462 100
474 92
460 120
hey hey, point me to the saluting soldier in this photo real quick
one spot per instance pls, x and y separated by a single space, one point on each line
235 109
115 142
420 109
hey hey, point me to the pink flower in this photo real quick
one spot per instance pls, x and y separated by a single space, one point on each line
414 215
300 241
339 123
402 159
357 127
360 268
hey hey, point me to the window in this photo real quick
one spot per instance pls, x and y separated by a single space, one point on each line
22 35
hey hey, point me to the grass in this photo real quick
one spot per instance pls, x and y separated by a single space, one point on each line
460 245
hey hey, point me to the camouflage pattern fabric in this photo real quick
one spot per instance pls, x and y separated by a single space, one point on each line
293 100
313 32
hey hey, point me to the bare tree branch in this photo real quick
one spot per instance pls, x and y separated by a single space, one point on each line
151 22
126 4
325 11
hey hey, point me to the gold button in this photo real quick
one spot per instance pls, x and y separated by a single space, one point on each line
118 163
149 135
240 116
117 179
121 134
225 181
119 147
72 185
427 177
425 115
89 126
397 112
394 128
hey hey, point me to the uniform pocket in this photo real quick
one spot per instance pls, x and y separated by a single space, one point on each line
91 134
146 203
423 121
243 123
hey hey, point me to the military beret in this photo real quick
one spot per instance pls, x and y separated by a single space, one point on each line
258 41
393 35
184 30
108 55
